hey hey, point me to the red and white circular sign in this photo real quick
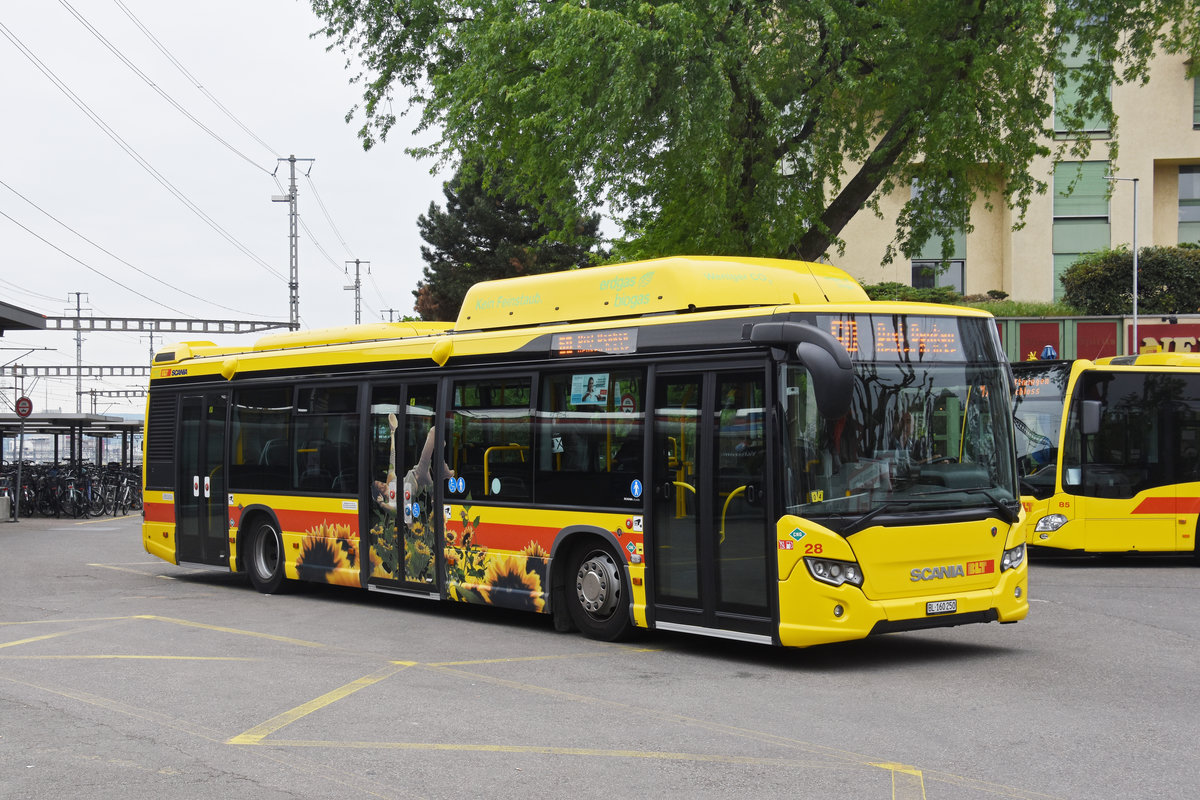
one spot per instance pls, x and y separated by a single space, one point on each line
24 407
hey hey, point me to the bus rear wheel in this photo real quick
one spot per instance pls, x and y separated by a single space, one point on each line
595 593
265 561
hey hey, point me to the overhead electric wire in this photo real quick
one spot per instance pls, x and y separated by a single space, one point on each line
48 243
179 66
121 56
328 218
118 258
179 195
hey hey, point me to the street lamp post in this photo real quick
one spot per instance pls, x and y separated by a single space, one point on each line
1136 346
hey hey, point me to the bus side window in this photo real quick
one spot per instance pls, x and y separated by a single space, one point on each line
492 430
590 439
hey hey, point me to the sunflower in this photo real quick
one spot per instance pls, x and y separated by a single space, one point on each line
329 553
535 550
509 583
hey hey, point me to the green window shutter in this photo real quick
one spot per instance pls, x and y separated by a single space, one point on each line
1189 232
1089 198
1075 236
932 250
1066 88
1061 262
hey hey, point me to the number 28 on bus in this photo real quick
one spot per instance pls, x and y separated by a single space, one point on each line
742 448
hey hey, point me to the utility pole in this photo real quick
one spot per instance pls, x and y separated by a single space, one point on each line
78 352
151 338
293 241
391 313
357 287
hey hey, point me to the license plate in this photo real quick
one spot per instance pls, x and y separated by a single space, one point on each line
941 607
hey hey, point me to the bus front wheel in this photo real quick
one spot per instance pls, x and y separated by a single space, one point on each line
595 593
265 562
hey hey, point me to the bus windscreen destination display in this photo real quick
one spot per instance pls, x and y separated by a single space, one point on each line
898 338
582 343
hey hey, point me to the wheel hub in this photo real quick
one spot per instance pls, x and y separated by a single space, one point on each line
598 585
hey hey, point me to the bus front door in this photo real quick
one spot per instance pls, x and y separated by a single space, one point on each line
201 502
710 533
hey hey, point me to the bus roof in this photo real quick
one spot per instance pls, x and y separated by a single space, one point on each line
520 309
1171 359
662 285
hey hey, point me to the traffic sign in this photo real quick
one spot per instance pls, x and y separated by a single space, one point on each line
24 407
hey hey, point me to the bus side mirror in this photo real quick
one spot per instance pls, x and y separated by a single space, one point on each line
825 357
1089 417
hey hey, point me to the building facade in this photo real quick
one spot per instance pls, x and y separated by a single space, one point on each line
1159 135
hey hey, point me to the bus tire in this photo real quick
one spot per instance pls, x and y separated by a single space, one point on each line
265 559
596 593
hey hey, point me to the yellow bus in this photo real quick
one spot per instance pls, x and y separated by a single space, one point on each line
734 447
1110 453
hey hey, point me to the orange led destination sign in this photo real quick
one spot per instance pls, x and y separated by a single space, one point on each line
582 343
898 337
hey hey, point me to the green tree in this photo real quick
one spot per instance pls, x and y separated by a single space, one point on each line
756 128
1102 282
483 236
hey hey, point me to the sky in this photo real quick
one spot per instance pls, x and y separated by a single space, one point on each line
155 202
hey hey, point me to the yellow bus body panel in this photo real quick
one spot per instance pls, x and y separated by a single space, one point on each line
158 524
889 558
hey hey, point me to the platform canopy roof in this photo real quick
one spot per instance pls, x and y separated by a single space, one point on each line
13 318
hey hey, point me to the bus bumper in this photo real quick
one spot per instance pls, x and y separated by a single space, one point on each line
811 612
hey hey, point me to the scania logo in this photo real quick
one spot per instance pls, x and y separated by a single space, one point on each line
937 573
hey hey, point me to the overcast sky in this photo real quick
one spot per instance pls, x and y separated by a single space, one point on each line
255 58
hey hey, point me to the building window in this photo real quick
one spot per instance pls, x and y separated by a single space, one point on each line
1196 102
927 263
926 274
1080 213
1066 94
1189 204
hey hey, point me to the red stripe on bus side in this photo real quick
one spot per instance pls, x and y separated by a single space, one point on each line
504 537
1168 505
159 512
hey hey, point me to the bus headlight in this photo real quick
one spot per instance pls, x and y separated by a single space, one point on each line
1012 558
835 573
1050 522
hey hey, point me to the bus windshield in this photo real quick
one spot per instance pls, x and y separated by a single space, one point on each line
1037 414
918 438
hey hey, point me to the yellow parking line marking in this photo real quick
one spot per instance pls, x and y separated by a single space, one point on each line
223 629
259 732
32 639
908 783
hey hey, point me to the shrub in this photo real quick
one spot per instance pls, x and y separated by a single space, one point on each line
892 290
1102 282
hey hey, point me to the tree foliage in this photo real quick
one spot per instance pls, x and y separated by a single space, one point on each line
1102 282
484 236
754 128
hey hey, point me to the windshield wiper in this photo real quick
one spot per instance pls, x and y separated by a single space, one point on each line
861 523
1009 513
1009 510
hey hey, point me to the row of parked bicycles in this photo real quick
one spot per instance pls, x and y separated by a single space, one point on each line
56 490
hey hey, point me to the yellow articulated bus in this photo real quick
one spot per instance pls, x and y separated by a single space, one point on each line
735 447
1109 453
